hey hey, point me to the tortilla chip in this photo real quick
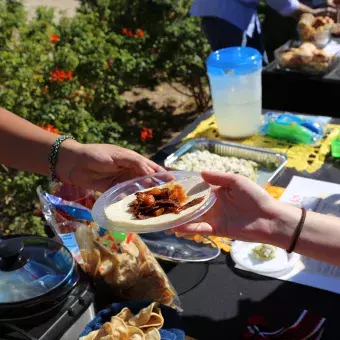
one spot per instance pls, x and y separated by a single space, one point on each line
91 261
155 321
105 267
94 261
127 271
125 314
142 317
84 253
167 298
129 248
90 336
119 328
105 251
135 333
153 334
102 332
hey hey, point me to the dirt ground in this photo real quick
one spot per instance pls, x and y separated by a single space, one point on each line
68 6
164 110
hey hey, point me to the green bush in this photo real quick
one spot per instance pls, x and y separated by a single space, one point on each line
172 43
70 75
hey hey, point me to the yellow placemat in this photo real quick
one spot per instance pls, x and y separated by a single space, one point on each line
301 157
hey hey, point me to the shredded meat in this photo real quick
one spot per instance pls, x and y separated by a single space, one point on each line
160 201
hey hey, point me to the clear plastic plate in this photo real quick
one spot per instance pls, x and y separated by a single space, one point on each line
171 248
124 189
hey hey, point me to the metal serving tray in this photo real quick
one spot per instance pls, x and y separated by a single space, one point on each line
271 164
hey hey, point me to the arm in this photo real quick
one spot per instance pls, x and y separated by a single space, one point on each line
25 146
244 211
320 236
296 8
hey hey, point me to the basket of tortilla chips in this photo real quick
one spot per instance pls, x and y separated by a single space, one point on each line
135 321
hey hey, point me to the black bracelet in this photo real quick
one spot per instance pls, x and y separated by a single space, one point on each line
297 231
53 156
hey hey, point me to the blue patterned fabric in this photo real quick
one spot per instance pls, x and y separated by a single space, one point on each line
172 329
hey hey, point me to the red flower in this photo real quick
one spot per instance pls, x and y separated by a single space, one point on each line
146 134
54 38
130 34
124 31
50 128
140 33
154 50
38 212
59 75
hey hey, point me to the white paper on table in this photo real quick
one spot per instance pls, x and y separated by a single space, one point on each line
322 197
332 47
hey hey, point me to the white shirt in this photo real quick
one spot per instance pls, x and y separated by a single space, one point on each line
241 13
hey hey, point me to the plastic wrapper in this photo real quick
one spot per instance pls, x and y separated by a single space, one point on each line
122 261
301 129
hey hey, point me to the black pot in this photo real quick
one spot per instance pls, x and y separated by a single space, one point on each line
36 275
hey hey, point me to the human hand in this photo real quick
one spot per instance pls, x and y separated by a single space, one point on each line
333 3
100 166
243 210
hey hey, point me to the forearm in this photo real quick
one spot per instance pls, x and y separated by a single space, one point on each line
25 146
292 8
320 236
304 9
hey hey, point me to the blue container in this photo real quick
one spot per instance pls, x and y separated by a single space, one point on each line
235 82
172 329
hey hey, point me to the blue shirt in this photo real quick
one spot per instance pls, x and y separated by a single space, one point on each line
241 13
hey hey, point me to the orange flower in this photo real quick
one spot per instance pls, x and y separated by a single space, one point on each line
45 90
146 134
54 38
59 75
140 33
50 128
124 31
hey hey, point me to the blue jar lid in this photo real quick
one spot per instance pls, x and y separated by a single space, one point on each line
31 267
234 60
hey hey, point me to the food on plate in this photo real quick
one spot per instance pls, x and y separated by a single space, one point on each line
126 326
315 28
125 265
306 56
264 252
305 27
162 204
198 161
336 30
161 201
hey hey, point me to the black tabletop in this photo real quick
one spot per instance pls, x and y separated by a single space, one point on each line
217 299
299 92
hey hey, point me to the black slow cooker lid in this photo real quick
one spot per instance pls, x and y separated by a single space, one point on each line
32 267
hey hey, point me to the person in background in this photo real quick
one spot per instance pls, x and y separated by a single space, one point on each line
25 146
245 211
236 23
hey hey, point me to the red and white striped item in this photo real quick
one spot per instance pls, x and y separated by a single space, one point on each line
307 326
